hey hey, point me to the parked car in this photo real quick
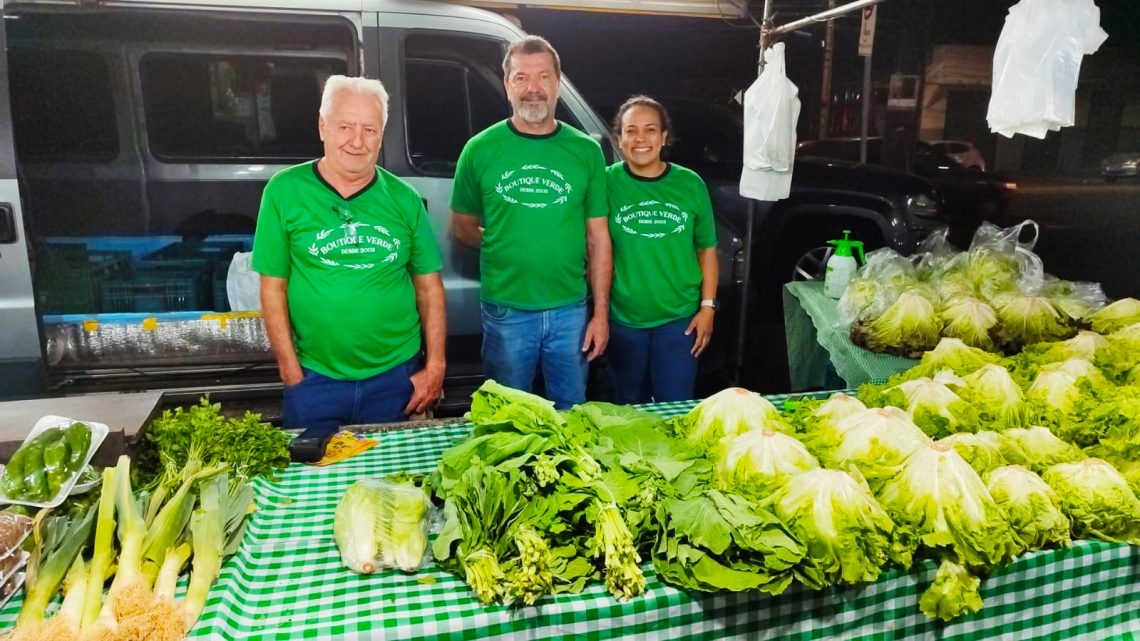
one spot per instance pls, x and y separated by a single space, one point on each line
142 133
962 152
969 195
881 206
1117 166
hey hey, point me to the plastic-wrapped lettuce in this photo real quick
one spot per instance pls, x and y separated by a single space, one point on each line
907 328
848 535
1116 316
1077 299
955 592
954 285
970 320
758 462
876 441
1025 320
991 271
953 355
1097 499
382 524
934 407
1032 507
1037 448
939 499
981 450
729 412
996 398
876 285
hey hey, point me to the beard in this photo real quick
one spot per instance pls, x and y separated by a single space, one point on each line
530 111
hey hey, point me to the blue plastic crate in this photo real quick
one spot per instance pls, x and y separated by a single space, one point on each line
172 286
68 276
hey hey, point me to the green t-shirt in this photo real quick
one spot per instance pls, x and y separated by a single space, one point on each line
534 194
349 263
657 225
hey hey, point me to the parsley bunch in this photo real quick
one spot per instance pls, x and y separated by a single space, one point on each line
248 445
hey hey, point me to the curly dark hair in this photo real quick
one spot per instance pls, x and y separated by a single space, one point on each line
642 101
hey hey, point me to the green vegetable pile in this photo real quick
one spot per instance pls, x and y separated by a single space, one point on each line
996 296
947 462
43 465
247 445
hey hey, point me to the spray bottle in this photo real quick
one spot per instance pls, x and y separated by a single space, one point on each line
841 266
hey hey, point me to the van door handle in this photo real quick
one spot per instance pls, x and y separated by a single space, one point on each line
7 224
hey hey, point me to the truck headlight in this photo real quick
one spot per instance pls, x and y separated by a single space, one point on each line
922 205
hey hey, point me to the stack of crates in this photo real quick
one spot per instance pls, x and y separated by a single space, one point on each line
69 276
175 278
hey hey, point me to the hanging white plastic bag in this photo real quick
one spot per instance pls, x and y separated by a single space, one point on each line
771 111
243 285
1037 62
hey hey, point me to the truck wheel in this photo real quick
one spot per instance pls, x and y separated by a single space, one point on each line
805 249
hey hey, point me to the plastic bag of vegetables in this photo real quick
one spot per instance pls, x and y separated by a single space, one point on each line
876 285
907 328
383 523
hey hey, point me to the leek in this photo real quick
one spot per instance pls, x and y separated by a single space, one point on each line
64 626
58 540
103 552
216 528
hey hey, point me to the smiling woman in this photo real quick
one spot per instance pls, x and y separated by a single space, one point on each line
665 266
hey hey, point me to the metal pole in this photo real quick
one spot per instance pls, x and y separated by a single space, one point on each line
825 84
866 108
822 16
746 281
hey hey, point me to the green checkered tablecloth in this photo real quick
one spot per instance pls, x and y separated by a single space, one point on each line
816 341
287 582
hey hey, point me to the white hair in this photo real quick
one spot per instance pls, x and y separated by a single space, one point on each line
355 85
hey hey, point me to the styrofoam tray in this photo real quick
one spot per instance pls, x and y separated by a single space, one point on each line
82 487
99 432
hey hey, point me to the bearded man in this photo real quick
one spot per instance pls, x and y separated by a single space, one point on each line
530 194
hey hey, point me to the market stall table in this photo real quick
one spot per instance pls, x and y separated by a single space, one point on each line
287 582
819 348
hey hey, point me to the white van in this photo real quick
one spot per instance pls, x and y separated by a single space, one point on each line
141 136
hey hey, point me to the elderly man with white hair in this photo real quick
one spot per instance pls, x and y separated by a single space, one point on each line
350 276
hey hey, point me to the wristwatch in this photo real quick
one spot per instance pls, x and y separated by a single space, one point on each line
711 302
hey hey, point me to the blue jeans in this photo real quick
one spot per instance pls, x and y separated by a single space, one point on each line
321 405
516 342
652 364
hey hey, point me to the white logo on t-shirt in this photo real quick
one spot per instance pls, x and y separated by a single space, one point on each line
652 219
534 186
355 241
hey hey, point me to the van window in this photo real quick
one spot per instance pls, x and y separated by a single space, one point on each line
453 88
62 108
230 108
